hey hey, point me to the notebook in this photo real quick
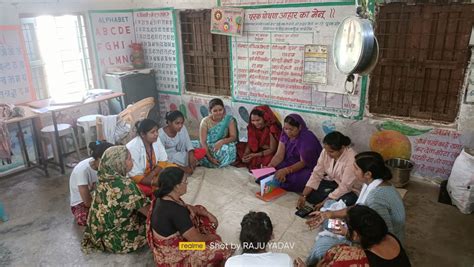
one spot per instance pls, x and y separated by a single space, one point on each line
262 173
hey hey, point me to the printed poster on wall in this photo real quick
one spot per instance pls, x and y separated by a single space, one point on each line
227 21
268 60
315 64
156 30
113 32
15 79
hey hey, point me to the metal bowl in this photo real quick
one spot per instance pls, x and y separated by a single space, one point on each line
401 169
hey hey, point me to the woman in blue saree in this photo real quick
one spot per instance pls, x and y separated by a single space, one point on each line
218 135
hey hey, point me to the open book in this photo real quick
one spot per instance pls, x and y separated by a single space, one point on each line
270 189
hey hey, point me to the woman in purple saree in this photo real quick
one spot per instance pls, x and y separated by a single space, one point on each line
297 154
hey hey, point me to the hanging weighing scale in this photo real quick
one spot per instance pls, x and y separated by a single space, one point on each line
355 49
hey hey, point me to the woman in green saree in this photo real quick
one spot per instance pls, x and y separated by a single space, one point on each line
218 135
113 223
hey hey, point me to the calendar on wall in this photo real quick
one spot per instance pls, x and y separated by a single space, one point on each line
315 64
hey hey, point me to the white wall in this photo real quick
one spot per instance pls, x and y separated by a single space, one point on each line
10 10
178 4
466 113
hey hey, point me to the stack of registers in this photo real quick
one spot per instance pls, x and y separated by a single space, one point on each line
269 186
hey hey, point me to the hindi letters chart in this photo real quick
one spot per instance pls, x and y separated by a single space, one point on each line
268 60
434 153
156 30
15 79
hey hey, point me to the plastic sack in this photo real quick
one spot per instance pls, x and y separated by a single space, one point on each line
461 182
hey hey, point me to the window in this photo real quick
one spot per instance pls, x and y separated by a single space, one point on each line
205 55
36 64
58 52
424 51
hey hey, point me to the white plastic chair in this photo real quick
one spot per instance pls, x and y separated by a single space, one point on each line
87 123
130 115
64 130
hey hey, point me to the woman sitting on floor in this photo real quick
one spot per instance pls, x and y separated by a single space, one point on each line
82 182
256 231
172 221
114 224
297 154
263 132
218 135
377 193
177 143
148 155
378 247
333 177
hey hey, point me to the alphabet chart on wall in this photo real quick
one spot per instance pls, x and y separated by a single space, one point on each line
155 29
113 32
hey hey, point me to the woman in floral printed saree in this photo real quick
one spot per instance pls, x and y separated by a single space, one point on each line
171 221
218 135
114 224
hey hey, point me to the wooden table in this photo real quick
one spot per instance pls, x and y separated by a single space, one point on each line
47 105
40 160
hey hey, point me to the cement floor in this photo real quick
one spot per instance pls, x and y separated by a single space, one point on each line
41 230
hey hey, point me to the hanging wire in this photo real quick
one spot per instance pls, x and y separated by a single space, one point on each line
363 10
351 81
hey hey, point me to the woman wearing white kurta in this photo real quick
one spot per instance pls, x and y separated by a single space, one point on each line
177 143
148 155
82 182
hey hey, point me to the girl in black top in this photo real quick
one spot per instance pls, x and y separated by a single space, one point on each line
372 244
366 226
171 214
173 222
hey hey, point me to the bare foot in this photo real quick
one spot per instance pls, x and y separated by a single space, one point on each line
187 170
